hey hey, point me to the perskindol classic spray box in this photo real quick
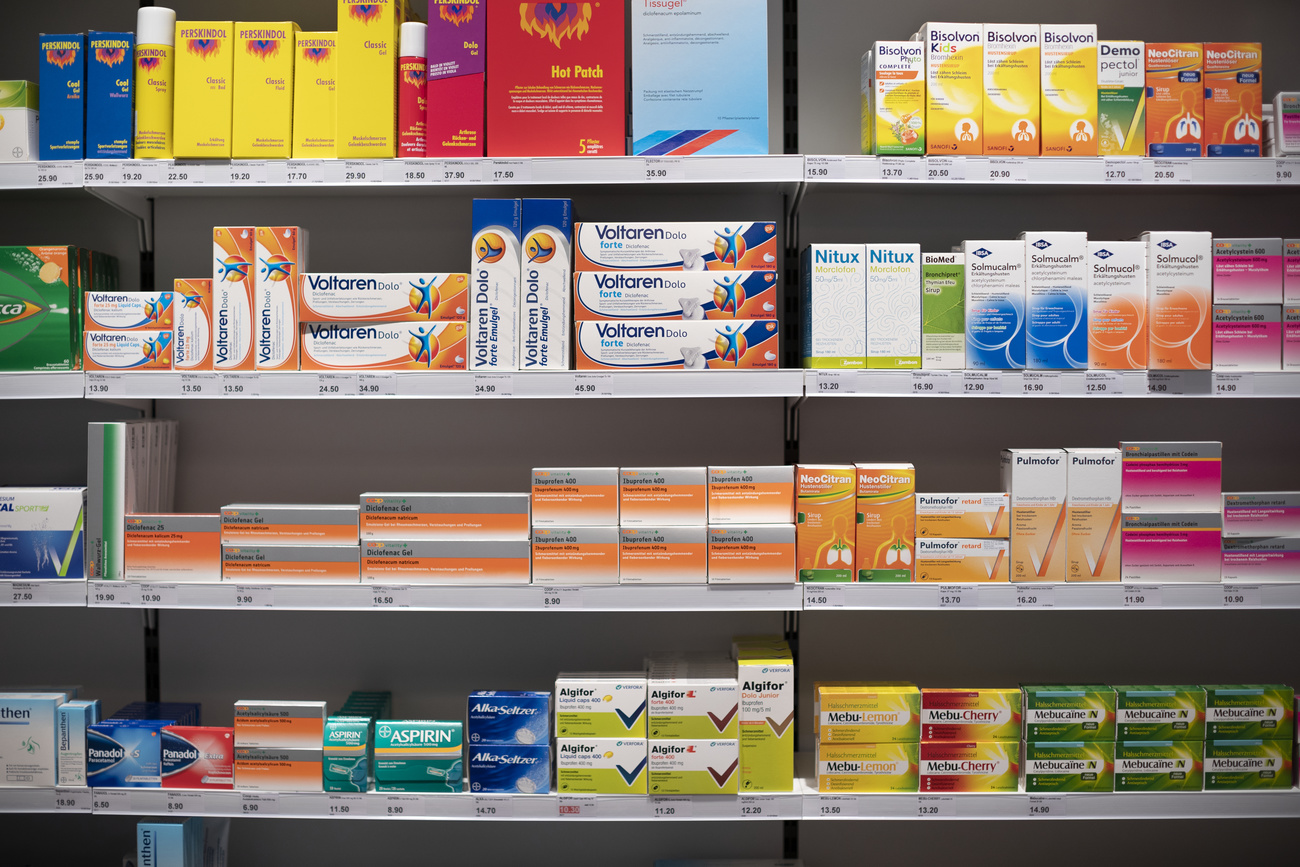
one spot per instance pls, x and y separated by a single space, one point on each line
580 497
754 554
694 767
366 93
893 306
834 306
600 705
494 274
280 257
1121 98
886 522
685 295
1242 711
457 57
601 766
751 495
232 298
1066 712
868 768
1068 766
866 713
384 346
1172 477
731 246
968 715
1036 480
943 311
1261 515
1248 764
204 87
1177 546
314 91
1117 305
825 500
990 766
1248 338
1158 766
63 96
197 757
1175 99
41 533
544 284
767 730
1012 58
583 555
1069 89
401 297
1234 99
1160 713
1092 502
109 109
1248 270
1056 300
262 124
663 496
441 562
192 331
899 98
954 87
995 304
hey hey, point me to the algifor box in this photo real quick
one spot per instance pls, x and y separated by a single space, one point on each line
694 767
1158 766
1160 713
444 517
232 298
1248 764
601 766
384 346
575 497
872 713
443 562
1172 476
288 524
967 715
413 297
694 703
732 246
663 496
992 766
1068 766
1068 712
868 768
1243 711
275 723
600 705
886 522
825 499
751 495
678 295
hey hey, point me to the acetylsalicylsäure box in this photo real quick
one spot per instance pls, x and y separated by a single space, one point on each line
1160 713
1067 766
404 517
279 769
1068 712
173 547
866 712
243 523
575 555
440 561
418 751
276 723
970 714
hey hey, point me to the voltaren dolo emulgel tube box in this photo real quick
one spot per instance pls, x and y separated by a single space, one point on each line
192 332
291 564
676 295
663 555
479 561
281 524
1012 57
1248 271
731 246
1180 547
581 555
954 87
399 297
1069 89
232 298
314 89
893 306
943 311
1179 279
1121 98
262 122
663 496
1261 515
494 302
1056 300
1117 305
384 346
751 495
575 497
970 715
204 88
1172 476
749 345
280 258
444 517
754 554
1248 338
995 304
544 308
173 547
834 306
1094 479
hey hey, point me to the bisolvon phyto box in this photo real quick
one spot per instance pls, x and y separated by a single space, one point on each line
1160 713
575 555
1261 515
963 516
1035 479
1179 546
1242 711
970 714
600 705
1158 766
893 306
1248 764
868 768
1069 766
694 767
834 306
751 495
1092 501
575 497
867 712
601 766
663 496
249 523
990 766
1276 559
756 554
961 561
1068 712
1172 476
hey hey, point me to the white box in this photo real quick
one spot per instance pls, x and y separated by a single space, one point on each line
73 718
544 278
1117 305
995 304
41 533
835 306
893 306
1094 479
1036 481
28 746
1056 300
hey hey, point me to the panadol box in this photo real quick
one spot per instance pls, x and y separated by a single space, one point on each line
1158 766
1237 711
1068 712
1160 713
1068 766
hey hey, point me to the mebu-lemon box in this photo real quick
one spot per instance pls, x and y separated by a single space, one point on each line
867 712
1160 713
1069 712
1068 766
868 768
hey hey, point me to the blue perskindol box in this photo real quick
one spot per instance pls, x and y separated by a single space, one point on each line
125 753
498 716
510 769
109 77
63 96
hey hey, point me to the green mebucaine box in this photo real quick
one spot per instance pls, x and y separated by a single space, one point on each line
1068 712
347 765
1068 766
1248 764
418 751
1160 713
1158 766
1245 711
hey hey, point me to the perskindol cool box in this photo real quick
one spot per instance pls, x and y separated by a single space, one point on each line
751 495
601 766
577 497
198 757
1092 503
767 730
1117 305
868 768
63 81
1035 478
1179 278
1261 515
402 517
401 297
636 345
384 346
446 562
1066 712
1172 476
1056 300
494 275
509 717
968 715
943 311
1158 766
1242 711
1248 764
663 496
1069 766
109 106
600 705
825 497
545 284
866 713
886 532
1160 713
954 87
288 524
991 766
684 295
1178 546
733 246
834 306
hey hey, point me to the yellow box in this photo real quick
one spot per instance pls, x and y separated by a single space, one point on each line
866 712
203 87
1069 83
315 62
954 89
962 516
1011 89
262 126
868 768
961 561
886 528
366 113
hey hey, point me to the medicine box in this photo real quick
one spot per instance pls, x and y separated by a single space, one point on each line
173 547
577 497
444 517
575 555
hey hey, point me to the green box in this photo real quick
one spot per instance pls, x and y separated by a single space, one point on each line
1158 766
1247 711
1160 713
1068 712
943 311
1248 764
424 788
40 308
418 751
1068 766
347 764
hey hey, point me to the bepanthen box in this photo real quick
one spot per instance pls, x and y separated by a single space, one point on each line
402 297
995 304
751 495
384 346
514 769
127 350
418 751
63 98
601 766
480 561
198 757
1094 479
288 524
457 59
1172 477
1175 101
1179 279
262 113
663 555
706 345
128 311
988 766
41 533
291 564
1121 98
28 741
834 306
943 311
1261 515
1036 480
1160 713
279 769
825 500
544 277
1158 766
281 256
204 89
73 718
1234 99
886 522
109 109
173 547
444 517
1068 712
1171 546
866 713
1056 300
1012 57
694 767
584 555
677 295
868 768
192 332
754 554
577 497
963 516
276 723
962 561
503 716
494 305
1117 305
893 306
970 714
125 753
19 109
1248 764
1247 270
232 299
1069 766
1248 338
663 496
314 102
730 246
600 705
1069 89
366 93
1238 711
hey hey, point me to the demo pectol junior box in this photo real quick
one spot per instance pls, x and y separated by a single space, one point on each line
943 311
1179 546
1036 479
961 561
1068 766
893 306
395 297
663 496
172 547
1158 766
575 497
1069 89
291 564
1117 305
1238 711
1261 515
1248 764
1121 98
954 87
575 555
482 561
684 295
749 345
990 766
403 517
751 495
601 766
41 533
995 304
730 246
968 715
866 712
600 705
1094 480
834 306
1056 300
1012 58
825 500
886 522
243 523
753 554
694 767
1068 712
204 88
663 555
1172 476
544 299
867 768
1160 713
280 257
384 346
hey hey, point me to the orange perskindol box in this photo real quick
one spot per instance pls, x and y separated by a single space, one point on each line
575 497
1175 99
1234 98
663 496
751 495
444 517
288 524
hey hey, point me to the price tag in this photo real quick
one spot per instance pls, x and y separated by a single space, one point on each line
671 808
1008 169
494 807
834 382
1234 384
823 168
112 593
823 596
71 800
111 801
958 596
363 171
28 593
494 385
184 803
510 171
593 385
661 170
419 171
1169 171
836 806
981 382
1166 382
377 384
900 168
462 172
396 806
1046 807
945 169
757 806
185 172
561 598
931 382
122 172
259 803
1102 383
1287 171
105 385
241 384
303 172
935 807
95 172
336 384
247 172
254 597
1121 170
158 595
1241 596
1036 383
145 172
576 806
346 806
58 174
199 385
1142 596
390 596
1035 596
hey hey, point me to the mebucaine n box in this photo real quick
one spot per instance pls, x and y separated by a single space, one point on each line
620 345
580 555
232 298
192 332
767 730
63 96
1117 305
1067 766
366 92
835 306
457 61
970 714
1068 712
600 705
402 517
1182 547
481 562
886 522
173 547
1239 765
1121 98
1248 270
995 304
899 98
1068 66
41 533
127 350
663 555
825 502
575 497
874 713
544 303
1291 338
1261 515
601 766
392 297
262 124
677 295
943 311
1036 480
954 88
291 564
1175 99
751 495
1094 482
1248 337
288 524
314 94
384 346
1012 55
1160 713
1056 300
281 257
963 516
109 102
197 757
988 766
555 80
663 496
1235 711
1234 99
205 62
754 554
694 767
961 561
867 768
279 769
495 269
893 306
1158 766
730 246
1179 280
1172 476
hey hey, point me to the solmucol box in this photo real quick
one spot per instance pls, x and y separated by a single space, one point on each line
834 306
687 295
1068 712
868 768
1261 515
1056 300
384 346
494 272
954 87
1158 766
1172 477
232 298
1092 502
995 304
992 766
192 332
582 555
127 350
866 713
601 766
694 767
961 561
1171 546
1117 305
1069 766
1160 713
579 497
705 345
600 705
1069 89
1036 480
444 562
731 246
1237 711
970 714
1179 282
1248 764
401 297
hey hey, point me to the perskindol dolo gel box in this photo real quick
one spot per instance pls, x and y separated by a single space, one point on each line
1069 766
1160 713
1248 764
991 766
494 273
685 295
966 715
1092 503
1242 711
735 246
1172 477
1158 766
954 87
886 522
868 768
1069 89
1061 712
866 712
825 497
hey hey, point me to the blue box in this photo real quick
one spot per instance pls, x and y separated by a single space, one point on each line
509 717
63 102
109 79
181 713
125 753
169 843
510 769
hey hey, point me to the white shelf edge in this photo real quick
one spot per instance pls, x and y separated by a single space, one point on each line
1037 384
1081 596
43 593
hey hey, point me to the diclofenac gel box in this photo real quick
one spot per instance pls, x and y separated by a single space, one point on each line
988 766
173 548
290 564
128 311
733 246
1093 489
963 516
970 714
961 561
401 297
751 495
886 522
281 253
1261 515
288 524
678 295
414 517
232 298
446 562
1171 546
868 768
1036 479
866 713
677 345
577 497
384 346
663 496
755 554
1160 713
192 332
825 537
575 555
663 555
1068 712
127 350
1172 476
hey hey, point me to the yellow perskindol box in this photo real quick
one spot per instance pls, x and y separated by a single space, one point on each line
314 94
366 113
868 768
204 92
262 126
865 712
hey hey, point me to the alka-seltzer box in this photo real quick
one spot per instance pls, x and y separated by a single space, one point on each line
262 123
995 304
444 517
124 753
127 350
41 533
943 311
694 767
192 332
72 721
873 713
989 766
1117 305
732 246
575 497
834 306
893 306
1175 99
1121 98
232 298
962 561
1171 546
754 554
886 522
1036 480
601 766
289 564
1158 766
314 101
1248 270
663 555
954 87
544 278
1243 711
457 56
825 501
1248 338
676 295
1092 502
281 256
751 495
402 297
204 88
1069 766
663 496
1261 515
1179 279
274 723
1056 300
510 769
1068 712
198 757
288 524
109 109
1248 764
1234 99
509 717
1160 713
867 768
494 272
1069 90
968 715
418 750
1012 58
279 769
173 547
442 562
63 97
899 98
635 345
600 705
385 346
963 516
1291 338
1172 477
575 555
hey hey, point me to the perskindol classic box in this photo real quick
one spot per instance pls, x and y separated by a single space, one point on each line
385 346
1069 89
281 256
314 102
544 284
694 767
677 295
1012 58
886 517
995 304
127 350
968 715
348 746
751 495
1179 277
825 501
444 517
41 533
483 561
1247 270
291 564
1248 338
754 554
1117 305
172 547
279 769
601 766
866 713
1092 505
288 524
494 274
28 745
943 311
963 516
274 723
1175 99
197 757
109 106
834 306
575 555
1261 515
600 705
1160 713
1234 99
954 87
128 311
893 306
1172 477
63 102
232 298
1066 712
1121 98
732 246
418 751
767 731
1248 764
663 555
1036 480
899 98
262 122
204 89
1158 766
1056 300
961 561
868 768
992 766
1068 766
509 717
1242 711
125 753
456 49
192 332
677 345
1171 546
366 93
693 705
663 496
72 720
577 497
40 309
400 297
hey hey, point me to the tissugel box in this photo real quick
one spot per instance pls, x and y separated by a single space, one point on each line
967 715
834 306
494 272
1172 477
600 705
1069 89
954 87
677 295
192 332
1261 515
899 98
751 495
694 767
754 554
1068 712
1175 99
41 533
677 345
1248 270
1234 99
1068 766
663 496
1248 764
127 350
172 547
1036 479
893 306
1117 305
63 96
1158 766
731 246
963 516
262 122
663 555
961 561
281 257
995 304
1240 711
384 346
868 768
825 498
444 517
1056 300
418 751
575 497
204 89
232 298
1012 57
1093 490
866 713
1121 98
886 522
288 524
1179 279
197 757
1248 338
1160 713
324 564
1171 546
992 766
400 297
544 314
477 561
601 766
314 103
509 717
575 555
109 109
943 311
275 723
366 92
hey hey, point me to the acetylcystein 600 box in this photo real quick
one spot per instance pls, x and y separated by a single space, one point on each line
1248 338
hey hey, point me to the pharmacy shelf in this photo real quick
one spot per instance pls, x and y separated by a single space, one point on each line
52 593
26 386
1048 383
1051 597
248 596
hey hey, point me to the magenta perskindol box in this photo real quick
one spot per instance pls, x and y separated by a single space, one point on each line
1261 515
1172 476
1247 270
1261 559
1248 338
1182 546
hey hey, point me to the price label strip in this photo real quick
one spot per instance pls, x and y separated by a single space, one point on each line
493 807
1234 384
377 384
59 174
29 593
659 170
158 595
390 596
1035 596
1242 596
901 168
336 384
1008 170
1102 383
928 382
259 803
1169 171
561 598
823 168
593 385
363 172
671 808
837 807
1044 384
957 596
823 596
396 806
757 806
105 385
185 172
935 807
494 385
254 597
943 169
510 171
462 172
247 172
199 385
67 800
1121 170
833 382
978 383
304 172
184 803
1045 807
241 385
1142 596
345 806
1287 172
576 806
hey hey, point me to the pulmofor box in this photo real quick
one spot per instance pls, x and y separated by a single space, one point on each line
1171 546
1121 98
1172 476
544 284
397 297
172 547
600 705
192 331
963 516
1248 270
961 561
686 295
899 98
1117 305
1179 279
280 257
1261 515
991 766
390 346
1248 337
581 555
1068 712
663 496
127 350
954 87
262 124
748 345
834 306
751 495
867 768
601 766
63 97
1056 300
1067 766
943 311
893 306
204 88
494 272
443 562
109 107
967 715
1094 479
731 246
288 524
1158 766
1248 764
1036 480
366 93
402 517
663 555
1160 713
457 58
1239 711
825 501
767 730
290 564
694 767
314 89
232 298
575 497
1069 89
753 554
995 304
1234 99
874 713
1175 99
41 533
1012 56
885 538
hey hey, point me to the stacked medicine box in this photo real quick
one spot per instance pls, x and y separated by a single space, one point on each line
1160 734
600 733
694 725
279 745
970 740
751 531
1069 738
1249 736
868 737
1261 536
289 544
348 743
1172 519
962 538
575 533
765 673
33 718
1249 298
126 749
663 525
509 740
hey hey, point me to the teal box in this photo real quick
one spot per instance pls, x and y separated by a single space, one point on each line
109 77
63 96
418 751
169 842
347 762
430 788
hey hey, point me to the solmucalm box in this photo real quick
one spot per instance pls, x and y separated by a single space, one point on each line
232 298
444 517
866 713
1036 480
172 547
1236 711
1012 56
663 496
962 561
1069 89
1094 479
1172 476
1248 764
834 306
1056 300
480 561
575 497
954 87
1261 515
1171 546
600 705
963 516
397 297
1121 98
751 495
730 246
893 306
1068 712
1068 766
601 766
579 555
1117 305
388 346
706 345
544 308
967 715
678 295
1160 713
753 554
694 767
1248 338
990 766
41 533
1248 270
663 555
1158 766
868 768
995 304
